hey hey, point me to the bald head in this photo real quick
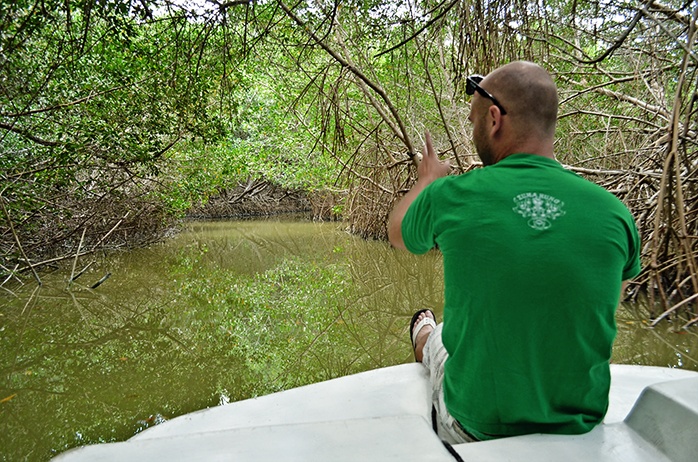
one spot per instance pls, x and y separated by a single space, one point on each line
529 96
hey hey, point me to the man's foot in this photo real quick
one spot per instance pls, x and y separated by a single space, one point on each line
423 324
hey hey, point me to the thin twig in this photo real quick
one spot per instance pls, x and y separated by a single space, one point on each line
16 237
75 261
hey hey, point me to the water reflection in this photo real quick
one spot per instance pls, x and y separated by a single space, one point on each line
223 312
666 345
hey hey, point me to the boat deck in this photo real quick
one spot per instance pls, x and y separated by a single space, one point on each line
385 414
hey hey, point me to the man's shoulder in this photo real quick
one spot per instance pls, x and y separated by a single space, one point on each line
454 181
589 186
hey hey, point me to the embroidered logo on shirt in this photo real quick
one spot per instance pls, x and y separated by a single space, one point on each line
540 209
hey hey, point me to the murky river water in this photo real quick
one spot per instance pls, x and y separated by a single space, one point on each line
224 311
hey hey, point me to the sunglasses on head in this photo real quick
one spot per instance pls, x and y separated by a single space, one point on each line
472 85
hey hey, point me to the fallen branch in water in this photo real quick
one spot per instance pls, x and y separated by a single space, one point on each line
77 254
82 271
673 308
101 281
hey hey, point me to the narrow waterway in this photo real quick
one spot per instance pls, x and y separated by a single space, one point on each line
222 312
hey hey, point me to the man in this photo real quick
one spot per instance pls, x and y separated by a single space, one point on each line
534 262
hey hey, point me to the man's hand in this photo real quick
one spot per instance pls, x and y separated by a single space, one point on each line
430 169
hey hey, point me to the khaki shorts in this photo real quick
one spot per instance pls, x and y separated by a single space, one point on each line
434 358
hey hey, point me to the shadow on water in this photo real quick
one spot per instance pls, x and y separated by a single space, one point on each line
225 311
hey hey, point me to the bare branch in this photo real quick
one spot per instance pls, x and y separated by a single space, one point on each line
619 42
421 29
360 75
28 136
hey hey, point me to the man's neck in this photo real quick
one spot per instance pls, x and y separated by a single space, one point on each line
534 147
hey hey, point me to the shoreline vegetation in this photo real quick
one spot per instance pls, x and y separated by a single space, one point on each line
58 239
120 118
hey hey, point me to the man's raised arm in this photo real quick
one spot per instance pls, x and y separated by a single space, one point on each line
430 168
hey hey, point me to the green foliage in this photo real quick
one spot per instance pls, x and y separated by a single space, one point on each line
104 108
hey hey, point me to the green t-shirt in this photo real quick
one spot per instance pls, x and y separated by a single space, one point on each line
534 257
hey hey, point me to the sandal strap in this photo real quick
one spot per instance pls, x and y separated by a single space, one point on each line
424 322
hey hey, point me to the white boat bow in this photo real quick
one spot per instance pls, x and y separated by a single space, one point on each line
385 414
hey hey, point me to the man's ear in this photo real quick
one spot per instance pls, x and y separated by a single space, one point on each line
496 120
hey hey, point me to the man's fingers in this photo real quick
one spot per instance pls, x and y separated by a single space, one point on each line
428 146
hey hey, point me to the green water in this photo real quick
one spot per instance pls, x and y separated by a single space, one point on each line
222 312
